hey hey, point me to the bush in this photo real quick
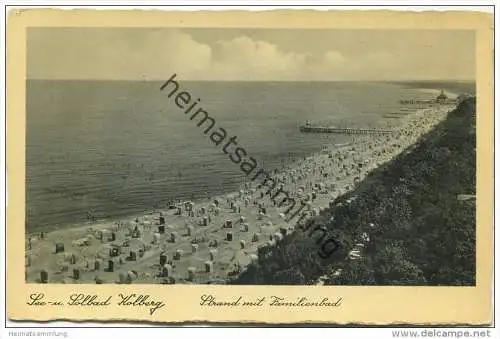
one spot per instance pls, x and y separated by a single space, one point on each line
424 235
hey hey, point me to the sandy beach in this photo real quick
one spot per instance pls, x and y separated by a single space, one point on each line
210 241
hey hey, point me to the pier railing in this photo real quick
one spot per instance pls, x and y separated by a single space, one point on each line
318 129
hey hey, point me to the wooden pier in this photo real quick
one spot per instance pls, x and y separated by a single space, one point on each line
318 129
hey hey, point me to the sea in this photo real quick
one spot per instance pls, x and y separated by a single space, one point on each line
105 150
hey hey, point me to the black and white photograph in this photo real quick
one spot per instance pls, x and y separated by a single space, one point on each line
250 156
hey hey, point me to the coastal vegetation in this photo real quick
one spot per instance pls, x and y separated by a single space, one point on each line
418 211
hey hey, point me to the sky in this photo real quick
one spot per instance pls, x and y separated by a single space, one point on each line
227 54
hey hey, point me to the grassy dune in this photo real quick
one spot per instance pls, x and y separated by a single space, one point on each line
418 210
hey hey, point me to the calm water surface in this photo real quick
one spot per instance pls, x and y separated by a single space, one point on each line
115 148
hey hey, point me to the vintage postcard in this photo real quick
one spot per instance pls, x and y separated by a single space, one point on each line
275 167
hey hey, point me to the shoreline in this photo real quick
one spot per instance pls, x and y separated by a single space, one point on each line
78 220
151 211
231 255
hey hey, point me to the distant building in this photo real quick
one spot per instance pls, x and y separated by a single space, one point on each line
441 97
